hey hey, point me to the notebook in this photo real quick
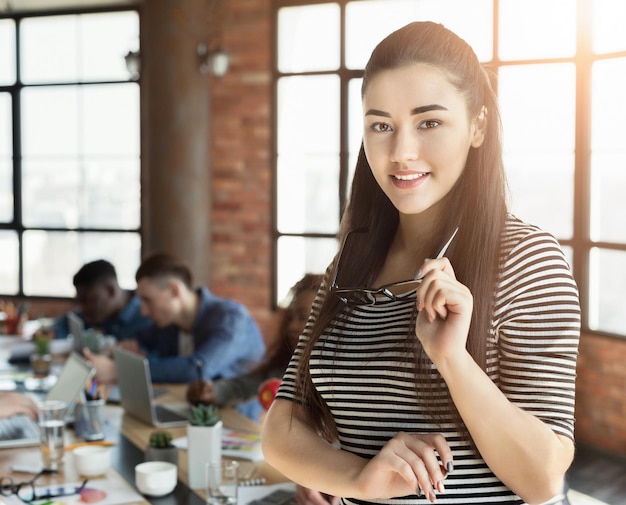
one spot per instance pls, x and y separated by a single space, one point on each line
20 430
137 396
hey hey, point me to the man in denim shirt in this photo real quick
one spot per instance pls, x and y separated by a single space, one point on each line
195 334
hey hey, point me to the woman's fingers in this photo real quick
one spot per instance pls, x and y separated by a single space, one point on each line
415 459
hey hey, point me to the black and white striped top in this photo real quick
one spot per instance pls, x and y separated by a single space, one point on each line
360 366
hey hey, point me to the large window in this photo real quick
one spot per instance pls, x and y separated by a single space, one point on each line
561 81
69 149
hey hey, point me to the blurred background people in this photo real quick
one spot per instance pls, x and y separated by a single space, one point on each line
242 390
195 333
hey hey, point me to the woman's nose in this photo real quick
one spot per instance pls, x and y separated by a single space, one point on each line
405 146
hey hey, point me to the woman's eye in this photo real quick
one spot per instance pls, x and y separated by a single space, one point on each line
381 127
430 123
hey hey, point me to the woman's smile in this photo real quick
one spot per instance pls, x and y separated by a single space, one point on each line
408 180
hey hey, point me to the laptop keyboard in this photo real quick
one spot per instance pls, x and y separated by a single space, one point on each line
18 427
165 415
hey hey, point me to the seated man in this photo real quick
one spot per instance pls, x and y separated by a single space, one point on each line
196 333
103 304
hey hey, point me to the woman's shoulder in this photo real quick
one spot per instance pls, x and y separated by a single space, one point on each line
517 232
523 243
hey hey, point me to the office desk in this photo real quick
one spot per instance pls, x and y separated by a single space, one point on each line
131 437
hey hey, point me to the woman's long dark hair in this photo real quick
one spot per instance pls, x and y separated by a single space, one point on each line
476 203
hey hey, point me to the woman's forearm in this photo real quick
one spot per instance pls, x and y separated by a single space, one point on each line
525 453
300 454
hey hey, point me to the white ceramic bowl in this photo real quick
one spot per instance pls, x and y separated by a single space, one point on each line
92 460
156 478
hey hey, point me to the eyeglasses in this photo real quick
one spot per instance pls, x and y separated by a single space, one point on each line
26 491
367 297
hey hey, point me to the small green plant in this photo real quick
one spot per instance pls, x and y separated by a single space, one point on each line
42 344
204 415
161 439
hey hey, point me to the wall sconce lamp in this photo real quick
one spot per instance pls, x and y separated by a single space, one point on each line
214 62
133 64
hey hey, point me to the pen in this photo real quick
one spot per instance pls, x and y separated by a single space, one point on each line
104 443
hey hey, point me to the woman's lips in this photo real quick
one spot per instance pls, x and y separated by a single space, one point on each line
409 180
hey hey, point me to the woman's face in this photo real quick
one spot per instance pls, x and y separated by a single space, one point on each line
417 134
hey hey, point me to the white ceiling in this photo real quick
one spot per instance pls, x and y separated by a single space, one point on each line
20 6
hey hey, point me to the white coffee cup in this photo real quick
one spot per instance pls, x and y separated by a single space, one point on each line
92 460
156 478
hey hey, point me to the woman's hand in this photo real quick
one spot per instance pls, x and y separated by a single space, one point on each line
305 496
201 392
445 311
407 465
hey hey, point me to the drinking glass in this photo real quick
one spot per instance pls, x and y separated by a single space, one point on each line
52 433
222 479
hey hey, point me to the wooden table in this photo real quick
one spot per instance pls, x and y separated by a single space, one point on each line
131 438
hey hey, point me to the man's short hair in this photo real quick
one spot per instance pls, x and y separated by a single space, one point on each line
163 265
94 273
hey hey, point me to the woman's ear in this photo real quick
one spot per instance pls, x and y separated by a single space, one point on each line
479 126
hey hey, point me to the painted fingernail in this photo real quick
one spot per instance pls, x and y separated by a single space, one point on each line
449 467
418 491
440 487
432 497
419 275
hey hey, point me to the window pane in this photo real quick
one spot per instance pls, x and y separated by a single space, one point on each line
9 264
52 258
50 51
298 256
104 40
96 119
538 112
537 29
77 48
308 38
607 298
308 189
6 166
7 51
92 193
308 115
608 151
367 23
49 121
109 118
609 19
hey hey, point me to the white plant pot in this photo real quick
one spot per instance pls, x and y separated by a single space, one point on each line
204 445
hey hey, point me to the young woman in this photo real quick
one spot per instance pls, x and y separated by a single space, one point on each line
439 364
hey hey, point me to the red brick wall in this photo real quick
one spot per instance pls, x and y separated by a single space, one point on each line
241 165
601 393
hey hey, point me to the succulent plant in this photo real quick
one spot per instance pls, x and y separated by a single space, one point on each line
161 439
42 344
204 415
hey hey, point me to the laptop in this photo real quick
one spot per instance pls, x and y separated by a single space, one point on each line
21 430
137 396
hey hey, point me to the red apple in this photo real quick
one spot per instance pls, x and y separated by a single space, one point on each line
267 392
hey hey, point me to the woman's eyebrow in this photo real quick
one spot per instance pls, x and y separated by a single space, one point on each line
414 112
